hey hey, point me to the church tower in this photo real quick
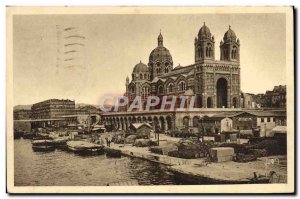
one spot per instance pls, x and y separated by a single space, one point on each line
230 47
204 45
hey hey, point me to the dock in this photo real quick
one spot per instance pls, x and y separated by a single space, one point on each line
199 171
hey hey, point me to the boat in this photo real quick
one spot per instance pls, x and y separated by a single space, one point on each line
60 142
41 136
18 134
28 135
43 145
85 148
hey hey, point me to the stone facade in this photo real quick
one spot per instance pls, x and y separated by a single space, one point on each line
53 108
215 83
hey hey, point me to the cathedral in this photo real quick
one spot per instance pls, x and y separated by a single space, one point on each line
214 83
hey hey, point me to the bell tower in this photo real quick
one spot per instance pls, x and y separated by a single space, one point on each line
230 47
204 45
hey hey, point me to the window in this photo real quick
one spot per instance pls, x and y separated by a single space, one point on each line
158 70
160 89
141 76
268 119
181 86
170 88
145 76
262 120
145 92
166 70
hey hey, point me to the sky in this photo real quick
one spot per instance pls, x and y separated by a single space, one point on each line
113 44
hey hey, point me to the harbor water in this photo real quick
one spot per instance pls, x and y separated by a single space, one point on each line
62 168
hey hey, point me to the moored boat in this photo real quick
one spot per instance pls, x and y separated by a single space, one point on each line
43 145
85 148
60 142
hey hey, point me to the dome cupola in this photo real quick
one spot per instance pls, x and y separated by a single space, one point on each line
229 35
230 46
160 59
140 67
204 32
140 72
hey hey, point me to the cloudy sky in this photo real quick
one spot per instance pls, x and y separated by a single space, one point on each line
113 44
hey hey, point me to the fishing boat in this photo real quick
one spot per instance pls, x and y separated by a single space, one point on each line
43 145
85 148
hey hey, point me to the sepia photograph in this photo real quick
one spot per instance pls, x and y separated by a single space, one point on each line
150 100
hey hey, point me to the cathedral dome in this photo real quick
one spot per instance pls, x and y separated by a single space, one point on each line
161 54
140 67
229 35
204 32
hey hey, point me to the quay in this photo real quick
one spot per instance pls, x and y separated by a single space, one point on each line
201 171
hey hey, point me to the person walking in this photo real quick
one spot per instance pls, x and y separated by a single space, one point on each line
106 141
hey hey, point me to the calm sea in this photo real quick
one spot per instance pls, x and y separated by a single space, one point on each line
62 168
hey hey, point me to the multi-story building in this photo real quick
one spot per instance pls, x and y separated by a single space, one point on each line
53 108
22 114
277 97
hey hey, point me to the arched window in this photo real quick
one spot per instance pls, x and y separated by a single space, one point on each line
158 70
141 76
234 53
160 89
170 88
181 86
195 121
145 92
186 121
166 70
199 52
210 52
209 102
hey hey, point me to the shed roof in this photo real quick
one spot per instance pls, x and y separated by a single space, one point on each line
279 129
139 125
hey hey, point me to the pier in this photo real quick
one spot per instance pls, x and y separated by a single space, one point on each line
200 171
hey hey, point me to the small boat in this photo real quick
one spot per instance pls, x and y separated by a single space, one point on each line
28 135
41 136
18 134
85 147
43 145
60 142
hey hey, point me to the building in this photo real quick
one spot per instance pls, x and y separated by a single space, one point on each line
53 108
140 129
87 109
215 83
22 114
277 97
248 101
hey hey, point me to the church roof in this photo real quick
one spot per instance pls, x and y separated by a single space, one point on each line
229 35
183 70
204 32
140 67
